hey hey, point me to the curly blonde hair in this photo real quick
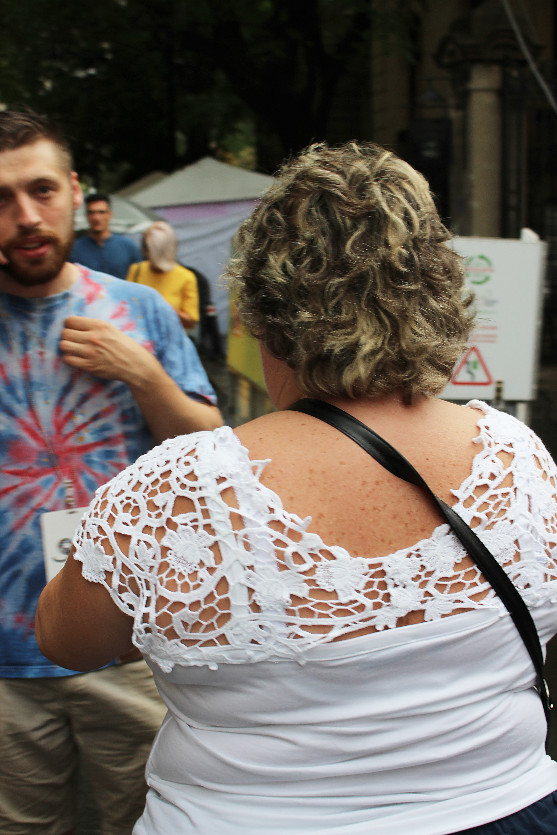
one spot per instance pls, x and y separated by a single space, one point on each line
343 272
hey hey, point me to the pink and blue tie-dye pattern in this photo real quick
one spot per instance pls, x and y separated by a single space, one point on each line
92 425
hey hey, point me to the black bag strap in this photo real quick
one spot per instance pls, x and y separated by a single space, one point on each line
399 466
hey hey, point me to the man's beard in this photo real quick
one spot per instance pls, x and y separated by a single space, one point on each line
44 270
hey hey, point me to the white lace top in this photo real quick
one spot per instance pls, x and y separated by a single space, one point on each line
216 572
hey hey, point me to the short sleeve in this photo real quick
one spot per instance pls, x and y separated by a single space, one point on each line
163 554
175 350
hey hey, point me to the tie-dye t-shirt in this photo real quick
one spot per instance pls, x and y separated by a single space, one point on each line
57 423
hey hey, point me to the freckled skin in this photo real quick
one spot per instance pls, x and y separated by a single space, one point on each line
353 501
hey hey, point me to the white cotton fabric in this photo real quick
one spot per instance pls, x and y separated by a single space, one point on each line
274 727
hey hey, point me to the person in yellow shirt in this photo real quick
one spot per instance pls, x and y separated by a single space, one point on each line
175 283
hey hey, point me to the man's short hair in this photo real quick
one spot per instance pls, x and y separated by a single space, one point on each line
97 197
19 128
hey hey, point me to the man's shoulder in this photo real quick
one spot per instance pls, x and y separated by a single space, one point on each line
129 291
115 286
83 241
142 305
122 241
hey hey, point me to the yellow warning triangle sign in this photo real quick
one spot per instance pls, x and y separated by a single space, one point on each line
472 370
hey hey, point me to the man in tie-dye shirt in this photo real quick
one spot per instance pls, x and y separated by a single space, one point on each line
94 371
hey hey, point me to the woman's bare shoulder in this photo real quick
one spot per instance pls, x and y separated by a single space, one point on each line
272 430
434 419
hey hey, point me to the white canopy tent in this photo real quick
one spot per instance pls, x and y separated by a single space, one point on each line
206 202
206 181
143 182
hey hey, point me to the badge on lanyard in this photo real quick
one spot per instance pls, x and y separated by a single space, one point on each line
57 529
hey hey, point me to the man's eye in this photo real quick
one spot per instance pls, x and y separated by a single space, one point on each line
44 191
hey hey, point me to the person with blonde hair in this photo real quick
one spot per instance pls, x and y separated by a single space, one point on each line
332 658
161 271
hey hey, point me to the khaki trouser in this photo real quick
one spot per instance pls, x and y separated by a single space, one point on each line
107 719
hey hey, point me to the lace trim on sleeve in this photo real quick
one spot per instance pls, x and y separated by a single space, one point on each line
213 569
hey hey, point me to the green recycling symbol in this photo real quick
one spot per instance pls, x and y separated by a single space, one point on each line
479 268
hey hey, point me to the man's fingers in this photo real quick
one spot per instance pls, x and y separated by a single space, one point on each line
74 361
83 323
72 335
77 346
82 329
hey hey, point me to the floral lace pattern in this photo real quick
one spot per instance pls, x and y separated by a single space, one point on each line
210 579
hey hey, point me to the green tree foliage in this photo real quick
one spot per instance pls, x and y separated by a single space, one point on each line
140 85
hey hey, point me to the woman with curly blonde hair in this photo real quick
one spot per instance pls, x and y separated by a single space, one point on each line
344 273
332 659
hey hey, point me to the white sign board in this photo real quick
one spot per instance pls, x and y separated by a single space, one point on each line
507 279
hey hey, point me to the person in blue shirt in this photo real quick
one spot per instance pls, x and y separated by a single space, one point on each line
100 249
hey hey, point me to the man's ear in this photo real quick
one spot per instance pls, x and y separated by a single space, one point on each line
77 194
